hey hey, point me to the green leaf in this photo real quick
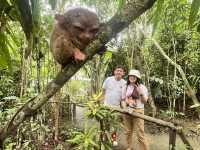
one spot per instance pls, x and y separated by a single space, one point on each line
26 17
9 2
120 4
53 4
5 59
158 13
11 98
193 12
107 56
35 6
195 106
198 28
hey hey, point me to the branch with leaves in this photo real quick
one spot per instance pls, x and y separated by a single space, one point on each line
190 92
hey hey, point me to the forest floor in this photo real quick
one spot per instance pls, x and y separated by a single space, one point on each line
159 141
157 136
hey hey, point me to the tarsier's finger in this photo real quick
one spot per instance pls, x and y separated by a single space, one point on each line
78 55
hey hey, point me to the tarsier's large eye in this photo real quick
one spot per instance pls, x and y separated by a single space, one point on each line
79 28
94 30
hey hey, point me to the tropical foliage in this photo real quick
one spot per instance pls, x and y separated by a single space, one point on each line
26 66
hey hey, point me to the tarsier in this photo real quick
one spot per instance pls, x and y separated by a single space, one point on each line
134 96
73 31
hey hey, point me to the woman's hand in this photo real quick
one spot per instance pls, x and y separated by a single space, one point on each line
142 95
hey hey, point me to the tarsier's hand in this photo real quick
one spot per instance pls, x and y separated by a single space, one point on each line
78 55
131 102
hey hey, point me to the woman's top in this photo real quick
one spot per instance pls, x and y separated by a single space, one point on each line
128 91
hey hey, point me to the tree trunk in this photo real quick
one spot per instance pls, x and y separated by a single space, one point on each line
56 114
56 99
38 62
23 75
24 68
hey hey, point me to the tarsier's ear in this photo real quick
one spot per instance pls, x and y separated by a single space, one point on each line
102 26
60 18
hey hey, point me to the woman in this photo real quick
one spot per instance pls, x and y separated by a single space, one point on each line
135 95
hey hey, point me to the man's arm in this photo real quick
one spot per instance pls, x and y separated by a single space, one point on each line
123 100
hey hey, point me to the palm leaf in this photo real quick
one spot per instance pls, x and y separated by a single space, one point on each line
35 6
193 12
12 40
120 4
26 17
158 13
5 59
53 3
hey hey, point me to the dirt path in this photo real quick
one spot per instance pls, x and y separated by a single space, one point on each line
159 142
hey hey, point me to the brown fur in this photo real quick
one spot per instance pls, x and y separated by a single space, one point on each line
73 31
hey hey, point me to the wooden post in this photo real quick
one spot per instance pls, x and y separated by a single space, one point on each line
56 114
74 112
103 136
185 141
172 139
68 108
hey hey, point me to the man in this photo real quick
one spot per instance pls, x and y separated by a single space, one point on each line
112 92
112 88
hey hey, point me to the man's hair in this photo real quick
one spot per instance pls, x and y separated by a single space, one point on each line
117 67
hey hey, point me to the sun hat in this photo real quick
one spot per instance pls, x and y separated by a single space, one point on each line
135 72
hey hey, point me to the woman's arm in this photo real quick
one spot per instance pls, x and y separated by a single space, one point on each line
143 93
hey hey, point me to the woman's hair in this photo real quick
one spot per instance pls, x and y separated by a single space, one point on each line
135 93
138 81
